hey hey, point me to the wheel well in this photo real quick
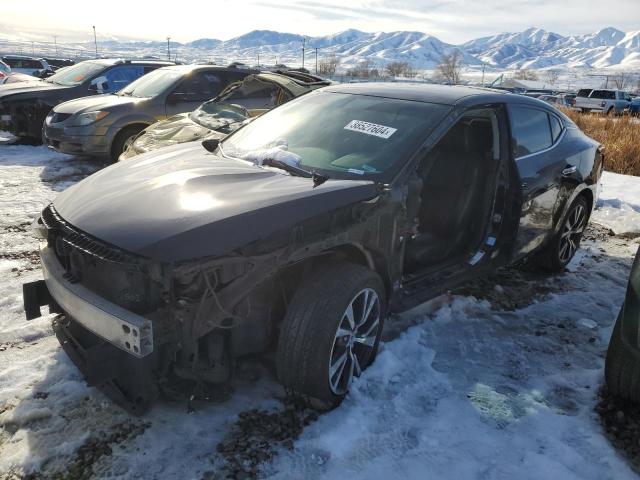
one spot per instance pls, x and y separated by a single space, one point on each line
139 125
291 276
588 195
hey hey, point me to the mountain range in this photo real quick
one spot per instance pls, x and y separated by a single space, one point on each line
533 48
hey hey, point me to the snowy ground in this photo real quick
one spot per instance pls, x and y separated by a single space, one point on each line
463 387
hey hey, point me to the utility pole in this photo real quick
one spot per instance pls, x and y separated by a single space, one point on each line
33 49
304 41
95 40
55 43
168 49
316 60
258 58
483 74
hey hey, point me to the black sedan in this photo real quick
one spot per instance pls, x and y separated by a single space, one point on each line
25 105
301 231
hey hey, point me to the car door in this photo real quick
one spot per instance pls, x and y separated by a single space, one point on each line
542 167
192 91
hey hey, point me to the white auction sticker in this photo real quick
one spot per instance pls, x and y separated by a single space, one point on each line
370 128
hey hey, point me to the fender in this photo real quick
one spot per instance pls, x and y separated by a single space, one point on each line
126 121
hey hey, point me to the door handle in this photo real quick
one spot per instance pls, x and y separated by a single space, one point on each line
569 170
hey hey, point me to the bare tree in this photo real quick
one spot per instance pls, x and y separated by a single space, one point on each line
395 69
362 69
525 74
552 77
328 65
450 68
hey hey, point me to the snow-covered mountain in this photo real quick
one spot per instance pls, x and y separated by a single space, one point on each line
533 48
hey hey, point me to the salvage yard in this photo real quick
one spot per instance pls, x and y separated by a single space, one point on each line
497 380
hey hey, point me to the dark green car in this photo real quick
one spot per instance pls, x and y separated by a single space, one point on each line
622 366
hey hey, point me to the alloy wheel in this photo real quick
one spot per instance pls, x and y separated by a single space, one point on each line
572 232
354 340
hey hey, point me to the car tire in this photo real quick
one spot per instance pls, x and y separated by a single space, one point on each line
326 339
123 136
621 367
566 241
585 110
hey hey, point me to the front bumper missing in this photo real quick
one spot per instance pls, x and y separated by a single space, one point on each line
123 329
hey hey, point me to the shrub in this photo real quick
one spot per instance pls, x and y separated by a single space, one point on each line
619 135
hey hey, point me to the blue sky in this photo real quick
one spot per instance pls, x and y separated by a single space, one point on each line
453 21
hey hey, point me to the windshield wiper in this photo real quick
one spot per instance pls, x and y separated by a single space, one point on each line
297 171
318 179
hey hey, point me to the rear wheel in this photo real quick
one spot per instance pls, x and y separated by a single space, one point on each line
123 139
564 244
331 333
621 368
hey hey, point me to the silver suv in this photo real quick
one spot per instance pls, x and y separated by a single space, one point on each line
103 125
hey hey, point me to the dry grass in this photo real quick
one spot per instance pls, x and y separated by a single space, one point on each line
619 135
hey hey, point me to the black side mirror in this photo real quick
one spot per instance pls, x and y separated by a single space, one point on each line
210 144
93 88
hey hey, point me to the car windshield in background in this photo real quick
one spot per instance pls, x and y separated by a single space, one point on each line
152 83
77 74
340 135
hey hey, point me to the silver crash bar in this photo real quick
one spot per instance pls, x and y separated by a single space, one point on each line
126 330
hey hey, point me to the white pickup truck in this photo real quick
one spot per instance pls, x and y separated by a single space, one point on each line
605 101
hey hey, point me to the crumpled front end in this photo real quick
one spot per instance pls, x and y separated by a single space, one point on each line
188 127
137 328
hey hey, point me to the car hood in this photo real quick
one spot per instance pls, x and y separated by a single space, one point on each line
9 89
96 102
182 203
177 129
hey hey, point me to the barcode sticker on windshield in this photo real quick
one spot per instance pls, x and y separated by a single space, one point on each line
370 128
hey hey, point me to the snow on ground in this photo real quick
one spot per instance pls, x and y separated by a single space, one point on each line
619 203
462 388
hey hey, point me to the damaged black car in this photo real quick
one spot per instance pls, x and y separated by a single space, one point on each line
24 106
301 232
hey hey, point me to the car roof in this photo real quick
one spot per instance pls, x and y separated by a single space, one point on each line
117 61
21 57
197 67
432 93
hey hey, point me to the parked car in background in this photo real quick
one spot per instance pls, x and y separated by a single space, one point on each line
5 71
634 107
25 105
602 100
622 365
102 125
240 101
58 63
36 67
300 232
559 100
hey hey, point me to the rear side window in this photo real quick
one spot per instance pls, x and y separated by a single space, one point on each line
530 130
604 94
584 92
556 127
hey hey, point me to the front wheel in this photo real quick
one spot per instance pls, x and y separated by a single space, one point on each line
566 241
331 332
123 139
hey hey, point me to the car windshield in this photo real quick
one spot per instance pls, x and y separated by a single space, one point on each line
152 84
218 116
77 74
339 135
